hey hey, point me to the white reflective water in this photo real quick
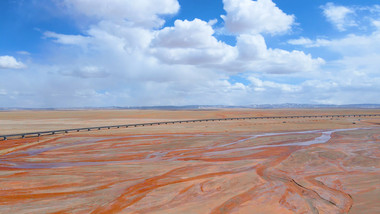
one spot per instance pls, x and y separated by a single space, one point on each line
163 154
324 138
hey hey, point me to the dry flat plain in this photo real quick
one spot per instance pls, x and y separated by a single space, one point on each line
303 165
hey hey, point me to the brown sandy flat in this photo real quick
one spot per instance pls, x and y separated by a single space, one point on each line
254 166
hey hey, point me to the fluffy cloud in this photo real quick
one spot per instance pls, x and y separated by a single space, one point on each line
354 43
254 53
339 16
67 39
353 76
284 62
261 16
251 47
349 45
186 34
10 62
357 44
308 42
124 59
259 85
141 13
191 42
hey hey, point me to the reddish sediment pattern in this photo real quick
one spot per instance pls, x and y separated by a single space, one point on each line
313 171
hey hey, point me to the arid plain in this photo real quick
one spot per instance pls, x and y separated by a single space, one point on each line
299 165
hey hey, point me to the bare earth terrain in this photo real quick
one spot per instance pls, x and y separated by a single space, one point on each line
298 165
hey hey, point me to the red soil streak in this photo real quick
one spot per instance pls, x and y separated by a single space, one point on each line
283 200
62 212
13 145
135 193
237 200
340 199
186 189
160 173
22 194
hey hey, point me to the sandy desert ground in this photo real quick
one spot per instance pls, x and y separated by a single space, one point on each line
298 165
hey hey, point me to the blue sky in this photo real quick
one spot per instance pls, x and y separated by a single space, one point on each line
79 53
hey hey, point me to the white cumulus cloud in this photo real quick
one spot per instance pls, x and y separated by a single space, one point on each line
339 16
251 47
261 16
186 34
141 13
67 39
191 42
308 42
127 60
10 62
254 53
348 45
260 85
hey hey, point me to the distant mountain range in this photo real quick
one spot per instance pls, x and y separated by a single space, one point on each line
205 107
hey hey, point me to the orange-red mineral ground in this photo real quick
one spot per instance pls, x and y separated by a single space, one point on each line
298 165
